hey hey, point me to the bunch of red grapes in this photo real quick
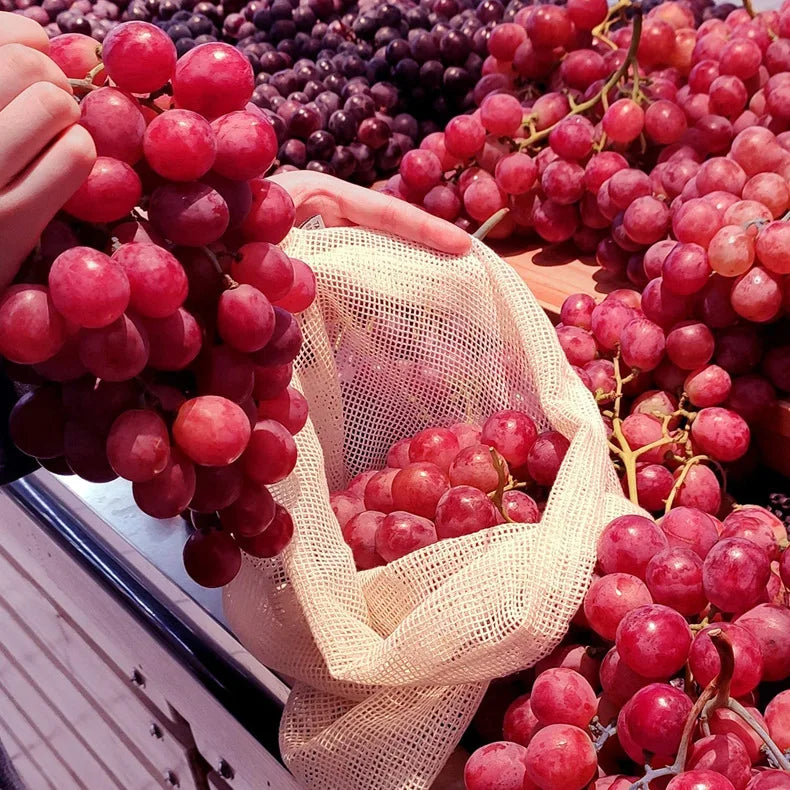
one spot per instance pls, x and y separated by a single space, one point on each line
448 482
629 696
155 319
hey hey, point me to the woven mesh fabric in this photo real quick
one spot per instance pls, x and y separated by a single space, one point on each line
389 665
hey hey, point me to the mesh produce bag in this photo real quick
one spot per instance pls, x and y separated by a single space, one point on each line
389 665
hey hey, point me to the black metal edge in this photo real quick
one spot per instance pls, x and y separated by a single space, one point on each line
256 708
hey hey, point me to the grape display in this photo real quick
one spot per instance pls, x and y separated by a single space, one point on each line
150 318
669 674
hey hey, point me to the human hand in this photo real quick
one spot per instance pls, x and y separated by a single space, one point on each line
44 154
340 203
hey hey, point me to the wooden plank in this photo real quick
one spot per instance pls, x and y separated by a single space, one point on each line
555 271
217 734
129 717
773 438
30 772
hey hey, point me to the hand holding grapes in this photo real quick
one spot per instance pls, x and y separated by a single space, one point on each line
44 154
340 203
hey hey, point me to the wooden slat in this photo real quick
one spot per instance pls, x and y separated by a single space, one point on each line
25 762
127 716
217 734
773 438
554 272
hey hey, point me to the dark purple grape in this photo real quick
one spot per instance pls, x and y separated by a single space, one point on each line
374 132
343 126
293 152
304 18
321 167
431 75
320 145
363 155
423 47
299 97
454 47
406 124
377 70
343 161
384 35
407 72
183 45
417 18
283 30
304 122
365 26
360 105
388 14
385 95
285 81
263 19
397 50
388 157
457 81
328 102
182 31
335 82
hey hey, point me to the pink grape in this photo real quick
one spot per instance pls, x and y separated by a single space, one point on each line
191 214
270 455
653 640
516 173
618 680
563 696
289 408
520 723
398 455
157 282
285 342
721 433
213 79
512 434
401 533
467 433
655 717
777 717
654 483
757 295
474 466
167 494
88 288
115 352
302 292
609 319
438 446
674 578
642 344
211 430
690 345
700 489
463 510
182 130
578 344
769 624
700 779
545 457
561 755
216 488
174 341
115 123
109 193
772 247
575 657
708 386
251 513
690 529
628 544
273 540
211 557
734 574
750 526
271 215
31 329
500 765
245 318
520 508
138 445
724 754
346 505
246 145
577 311
769 779
610 599
686 269
138 57
704 660
378 491
723 721
418 487
360 534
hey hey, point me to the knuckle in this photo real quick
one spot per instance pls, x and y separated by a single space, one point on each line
21 60
54 102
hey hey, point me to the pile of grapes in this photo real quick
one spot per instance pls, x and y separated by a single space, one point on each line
447 482
155 320
672 675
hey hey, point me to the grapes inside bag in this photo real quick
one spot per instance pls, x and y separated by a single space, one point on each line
400 339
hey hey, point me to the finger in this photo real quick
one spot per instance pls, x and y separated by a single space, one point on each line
384 212
38 193
21 67
18 29
29 124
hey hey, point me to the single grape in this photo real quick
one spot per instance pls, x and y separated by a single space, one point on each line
245 318
500 764
270 455
401 533
31 329
185 132
174 341
246 145
418 488
610 598
462 510
735 574
138 445
302 293
520 723
653 640
520 508
360 535
721 433
211 557
655 717
289 408
690 529
545 457
271 215
169 493
438 446
628 544
724 754
642 344
116 352
723 721
216 488
109 193
561 755
138 57
273 540
512 434
191 214
700 779
211 430
769 624
115 123
284 344
563 696
704 660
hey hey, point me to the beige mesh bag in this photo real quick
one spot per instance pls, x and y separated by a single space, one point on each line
389 665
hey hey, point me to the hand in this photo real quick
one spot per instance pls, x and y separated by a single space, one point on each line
340 203
44 154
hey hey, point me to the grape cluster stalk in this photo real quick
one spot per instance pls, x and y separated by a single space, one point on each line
155 321
673 674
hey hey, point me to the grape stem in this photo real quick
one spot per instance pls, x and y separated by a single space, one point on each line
502 481
614 11
715 695
226 278
490 223
630 60
747 4
86 86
